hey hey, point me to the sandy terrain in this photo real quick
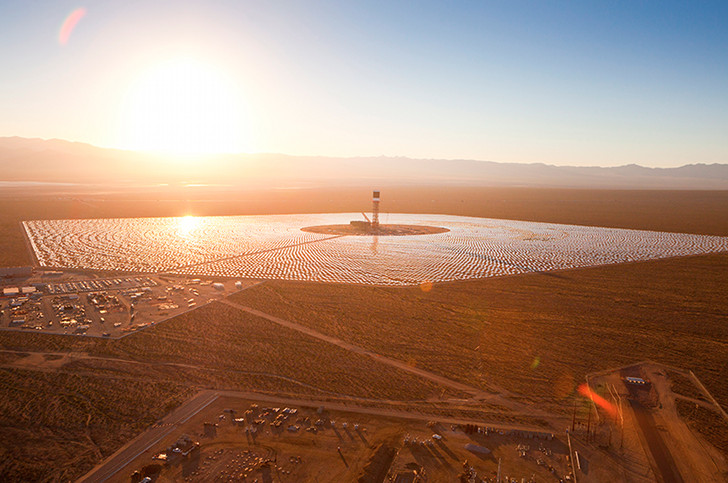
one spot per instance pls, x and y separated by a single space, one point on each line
535 335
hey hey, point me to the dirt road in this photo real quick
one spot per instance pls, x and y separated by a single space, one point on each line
119 460
667 471
475 392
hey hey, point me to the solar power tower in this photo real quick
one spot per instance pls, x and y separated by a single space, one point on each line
375 210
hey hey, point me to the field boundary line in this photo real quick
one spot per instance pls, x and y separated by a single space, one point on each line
351 405
707 393
409 404
30 245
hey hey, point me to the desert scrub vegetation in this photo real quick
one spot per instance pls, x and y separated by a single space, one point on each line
537 334
10 357
57 426
710 424
194 376
34 342
684 386
223 338
237 350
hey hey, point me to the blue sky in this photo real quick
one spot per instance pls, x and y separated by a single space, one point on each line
566 83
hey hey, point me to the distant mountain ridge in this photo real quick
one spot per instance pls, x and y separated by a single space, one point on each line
59 161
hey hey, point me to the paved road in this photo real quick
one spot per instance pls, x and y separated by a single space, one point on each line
39 361
116 462
664 465
119 460
139 445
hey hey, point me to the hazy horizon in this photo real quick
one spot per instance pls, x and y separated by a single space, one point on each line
60 161
559 84
197 156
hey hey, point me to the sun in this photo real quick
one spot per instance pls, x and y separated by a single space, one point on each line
184 106
186 225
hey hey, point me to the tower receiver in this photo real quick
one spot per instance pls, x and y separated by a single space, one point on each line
375 210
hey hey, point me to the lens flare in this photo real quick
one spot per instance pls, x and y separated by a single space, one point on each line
69 24
586 391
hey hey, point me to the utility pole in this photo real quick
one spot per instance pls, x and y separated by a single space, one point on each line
588 424
621 419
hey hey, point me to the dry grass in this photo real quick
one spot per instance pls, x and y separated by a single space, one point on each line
57 426
708 423
192 377
226 339
35 342
684 386
10 357
535 334
233 350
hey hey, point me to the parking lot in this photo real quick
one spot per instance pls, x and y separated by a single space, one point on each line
107 306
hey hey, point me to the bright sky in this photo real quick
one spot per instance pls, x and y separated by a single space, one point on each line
566 83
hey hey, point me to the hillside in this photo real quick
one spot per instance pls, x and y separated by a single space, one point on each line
58 161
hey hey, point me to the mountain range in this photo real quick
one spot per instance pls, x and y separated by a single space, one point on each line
26 160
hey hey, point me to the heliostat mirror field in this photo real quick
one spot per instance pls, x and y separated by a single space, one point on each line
274 247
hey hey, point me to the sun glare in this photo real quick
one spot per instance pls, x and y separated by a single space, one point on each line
186 225
184 106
